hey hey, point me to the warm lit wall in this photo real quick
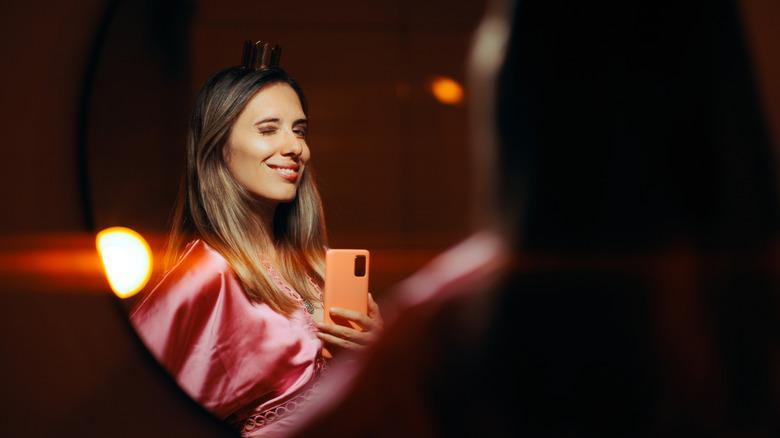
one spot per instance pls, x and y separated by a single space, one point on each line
392 162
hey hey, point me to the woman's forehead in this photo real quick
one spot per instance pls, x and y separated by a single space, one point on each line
277 100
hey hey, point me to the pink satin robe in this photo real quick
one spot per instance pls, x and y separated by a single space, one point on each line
240 360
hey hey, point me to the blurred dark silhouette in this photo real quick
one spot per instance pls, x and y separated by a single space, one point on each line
637 205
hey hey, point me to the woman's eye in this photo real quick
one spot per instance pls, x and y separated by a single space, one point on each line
267 131
300 132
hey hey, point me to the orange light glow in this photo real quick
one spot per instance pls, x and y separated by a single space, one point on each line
127 260
447 90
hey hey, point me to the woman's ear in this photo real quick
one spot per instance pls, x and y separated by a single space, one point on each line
226 151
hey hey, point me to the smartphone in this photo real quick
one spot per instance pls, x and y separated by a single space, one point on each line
346 283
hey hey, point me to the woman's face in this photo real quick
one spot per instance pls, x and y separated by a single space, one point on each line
266 150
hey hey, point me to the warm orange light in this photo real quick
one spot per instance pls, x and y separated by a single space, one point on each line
127 260
447 90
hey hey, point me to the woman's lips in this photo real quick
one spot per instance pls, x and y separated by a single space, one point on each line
288 173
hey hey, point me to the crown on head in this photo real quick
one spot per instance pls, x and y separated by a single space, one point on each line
261 55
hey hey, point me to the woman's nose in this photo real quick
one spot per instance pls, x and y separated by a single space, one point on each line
293 145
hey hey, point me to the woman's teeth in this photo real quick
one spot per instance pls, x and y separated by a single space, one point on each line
288 173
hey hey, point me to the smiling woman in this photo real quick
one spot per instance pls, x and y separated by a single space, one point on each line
269 165
237 318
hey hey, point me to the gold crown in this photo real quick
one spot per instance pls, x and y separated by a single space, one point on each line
261 55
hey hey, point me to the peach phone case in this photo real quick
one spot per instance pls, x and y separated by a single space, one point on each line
342 287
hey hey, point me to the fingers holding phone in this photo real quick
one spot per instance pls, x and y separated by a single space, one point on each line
342 334
352 318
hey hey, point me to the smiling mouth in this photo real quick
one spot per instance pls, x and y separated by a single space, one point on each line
288 173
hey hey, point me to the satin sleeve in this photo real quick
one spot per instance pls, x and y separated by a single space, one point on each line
224 351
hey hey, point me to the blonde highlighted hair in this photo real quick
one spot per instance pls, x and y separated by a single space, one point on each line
214 207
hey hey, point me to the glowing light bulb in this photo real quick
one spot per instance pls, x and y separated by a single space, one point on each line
447 90
127 260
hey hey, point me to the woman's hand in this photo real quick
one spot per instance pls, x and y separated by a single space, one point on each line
348 338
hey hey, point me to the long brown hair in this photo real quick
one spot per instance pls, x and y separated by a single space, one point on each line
214 207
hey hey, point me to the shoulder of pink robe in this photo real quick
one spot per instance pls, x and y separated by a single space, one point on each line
227 352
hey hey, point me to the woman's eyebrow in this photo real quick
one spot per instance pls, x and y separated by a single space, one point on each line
301 122
268 120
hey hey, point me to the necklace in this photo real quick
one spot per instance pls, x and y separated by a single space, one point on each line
284 285
308 305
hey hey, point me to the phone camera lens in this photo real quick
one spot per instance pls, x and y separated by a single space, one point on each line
360 266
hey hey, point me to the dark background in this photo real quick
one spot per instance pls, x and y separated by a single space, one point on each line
96 96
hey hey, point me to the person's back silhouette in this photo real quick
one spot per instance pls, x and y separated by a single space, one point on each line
635 216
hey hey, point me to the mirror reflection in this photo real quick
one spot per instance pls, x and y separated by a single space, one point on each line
237 318
213 160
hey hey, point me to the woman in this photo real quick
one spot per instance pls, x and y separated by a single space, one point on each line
238 318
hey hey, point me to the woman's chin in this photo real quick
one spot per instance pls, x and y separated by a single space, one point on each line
276 198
